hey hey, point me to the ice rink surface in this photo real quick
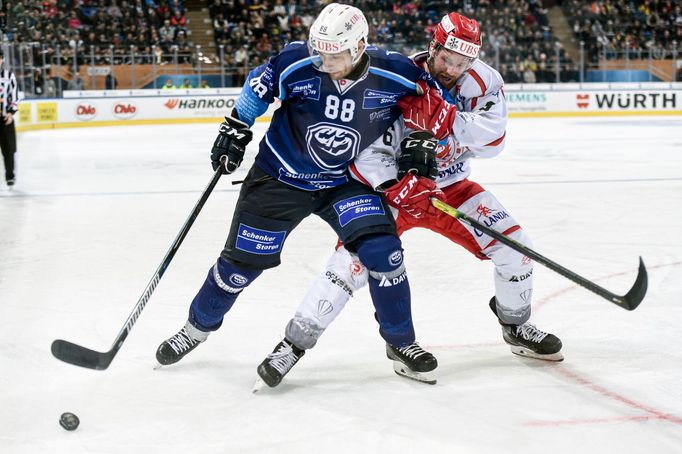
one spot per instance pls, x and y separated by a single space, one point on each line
95 210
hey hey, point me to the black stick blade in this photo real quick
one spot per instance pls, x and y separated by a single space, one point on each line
636 294
80 356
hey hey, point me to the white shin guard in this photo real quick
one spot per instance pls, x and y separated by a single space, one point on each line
326 298
513 277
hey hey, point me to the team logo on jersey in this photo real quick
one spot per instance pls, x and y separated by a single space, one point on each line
447 152
396 258
306 89
358 207
375 99
238 280
332 146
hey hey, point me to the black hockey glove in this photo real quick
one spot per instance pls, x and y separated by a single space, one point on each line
418 154
233 137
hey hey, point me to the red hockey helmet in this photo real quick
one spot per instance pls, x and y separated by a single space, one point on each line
459 34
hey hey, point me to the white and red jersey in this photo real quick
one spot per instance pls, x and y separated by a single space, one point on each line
478 130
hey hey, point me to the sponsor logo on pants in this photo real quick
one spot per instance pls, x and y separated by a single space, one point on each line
258 241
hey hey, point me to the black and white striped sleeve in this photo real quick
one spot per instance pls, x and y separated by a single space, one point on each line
12 98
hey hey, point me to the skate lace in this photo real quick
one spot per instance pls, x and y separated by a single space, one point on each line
530 333
181 342
412 351
283 359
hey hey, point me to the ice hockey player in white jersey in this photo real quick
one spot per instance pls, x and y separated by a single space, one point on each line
475 128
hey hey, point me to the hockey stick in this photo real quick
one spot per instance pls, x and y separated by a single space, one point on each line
80 356
629 301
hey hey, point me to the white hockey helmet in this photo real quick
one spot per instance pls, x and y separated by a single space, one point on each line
338 28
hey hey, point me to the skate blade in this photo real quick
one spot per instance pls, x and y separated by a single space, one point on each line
424 377
525 352
157 365
258 385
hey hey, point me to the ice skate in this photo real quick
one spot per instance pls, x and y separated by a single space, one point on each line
527 340
10 184
257 385
177 346
278 363
413 362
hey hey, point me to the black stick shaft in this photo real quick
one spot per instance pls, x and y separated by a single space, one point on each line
81 356
629 301
151 286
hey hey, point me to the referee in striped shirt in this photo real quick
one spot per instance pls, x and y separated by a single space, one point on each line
9 106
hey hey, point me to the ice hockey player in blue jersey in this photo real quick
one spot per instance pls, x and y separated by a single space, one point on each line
475 127
338 97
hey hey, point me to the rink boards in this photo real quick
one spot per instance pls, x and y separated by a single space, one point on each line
144 107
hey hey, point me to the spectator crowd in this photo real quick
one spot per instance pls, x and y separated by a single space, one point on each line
517 37
68 29
612 28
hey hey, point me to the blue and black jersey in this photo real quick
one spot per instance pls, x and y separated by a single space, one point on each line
322 125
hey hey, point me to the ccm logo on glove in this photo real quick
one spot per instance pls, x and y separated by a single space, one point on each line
407 186
233 137
428 144
412 194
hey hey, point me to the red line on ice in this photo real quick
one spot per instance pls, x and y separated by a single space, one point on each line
652 412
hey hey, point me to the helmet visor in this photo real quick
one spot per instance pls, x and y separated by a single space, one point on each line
455 62
332 63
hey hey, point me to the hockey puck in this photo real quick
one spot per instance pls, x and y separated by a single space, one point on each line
69 421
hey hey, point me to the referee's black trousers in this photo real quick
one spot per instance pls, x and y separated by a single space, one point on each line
8 144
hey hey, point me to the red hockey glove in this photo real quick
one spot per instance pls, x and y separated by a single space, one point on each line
429 112
412 194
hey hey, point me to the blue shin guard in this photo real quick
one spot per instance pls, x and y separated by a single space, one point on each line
388 286
222 286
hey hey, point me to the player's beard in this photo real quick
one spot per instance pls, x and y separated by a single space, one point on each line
442 76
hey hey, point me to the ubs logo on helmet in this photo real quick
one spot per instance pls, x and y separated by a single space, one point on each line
326 47
332 146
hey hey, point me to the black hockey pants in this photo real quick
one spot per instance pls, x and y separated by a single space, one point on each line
8 144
